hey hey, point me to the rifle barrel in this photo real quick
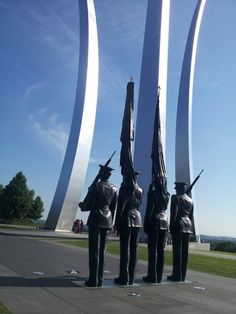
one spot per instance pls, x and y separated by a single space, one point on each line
201 172
193 183
109 160
197 177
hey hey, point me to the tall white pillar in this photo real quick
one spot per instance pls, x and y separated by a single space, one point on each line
69 188
153 74
183 144
183 141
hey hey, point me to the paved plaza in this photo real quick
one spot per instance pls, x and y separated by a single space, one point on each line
38 275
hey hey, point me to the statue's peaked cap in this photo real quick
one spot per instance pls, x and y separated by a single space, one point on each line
106 168
180 184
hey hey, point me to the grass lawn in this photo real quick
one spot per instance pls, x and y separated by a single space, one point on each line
18 227
14 227
4 310
207 264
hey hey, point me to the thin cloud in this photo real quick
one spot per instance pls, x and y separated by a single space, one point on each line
50 34
94 161
3 4
56 35
32 90
110 84
52 132
49 130
118 30
119 18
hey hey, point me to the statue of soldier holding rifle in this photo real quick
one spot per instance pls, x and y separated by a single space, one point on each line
101 201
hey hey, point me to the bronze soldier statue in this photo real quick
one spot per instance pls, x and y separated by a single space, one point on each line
181 226
128 223
101 201
156 226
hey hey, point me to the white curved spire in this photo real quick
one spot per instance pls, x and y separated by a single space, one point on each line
183 144
69 188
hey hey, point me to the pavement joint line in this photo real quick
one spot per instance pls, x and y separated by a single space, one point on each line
108 284
59 297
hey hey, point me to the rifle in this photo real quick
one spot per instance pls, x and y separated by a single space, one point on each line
188 190
106 164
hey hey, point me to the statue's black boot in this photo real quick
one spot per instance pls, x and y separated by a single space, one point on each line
173 278
89 283
149 279
120 281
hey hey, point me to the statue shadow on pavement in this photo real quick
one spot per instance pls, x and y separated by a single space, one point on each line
71 282
63 281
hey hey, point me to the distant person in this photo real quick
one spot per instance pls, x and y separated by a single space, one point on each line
181 226
81 226
128 223
156 226
75 225
78 226
101 201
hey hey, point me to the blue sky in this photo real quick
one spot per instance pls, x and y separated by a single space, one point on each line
39 64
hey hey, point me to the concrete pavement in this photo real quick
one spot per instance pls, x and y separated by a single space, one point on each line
35 277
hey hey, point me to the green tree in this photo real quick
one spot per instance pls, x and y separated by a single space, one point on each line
17 199
1 198
36 209
17 202
226 246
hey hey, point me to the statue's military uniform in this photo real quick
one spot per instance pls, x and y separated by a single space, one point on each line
128 223
101 201
181 226
156 226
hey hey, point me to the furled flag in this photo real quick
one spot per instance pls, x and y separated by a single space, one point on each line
126 138
158 164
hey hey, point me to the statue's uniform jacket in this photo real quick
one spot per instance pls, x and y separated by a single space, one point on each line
128 214
181 214
101 201
155 215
